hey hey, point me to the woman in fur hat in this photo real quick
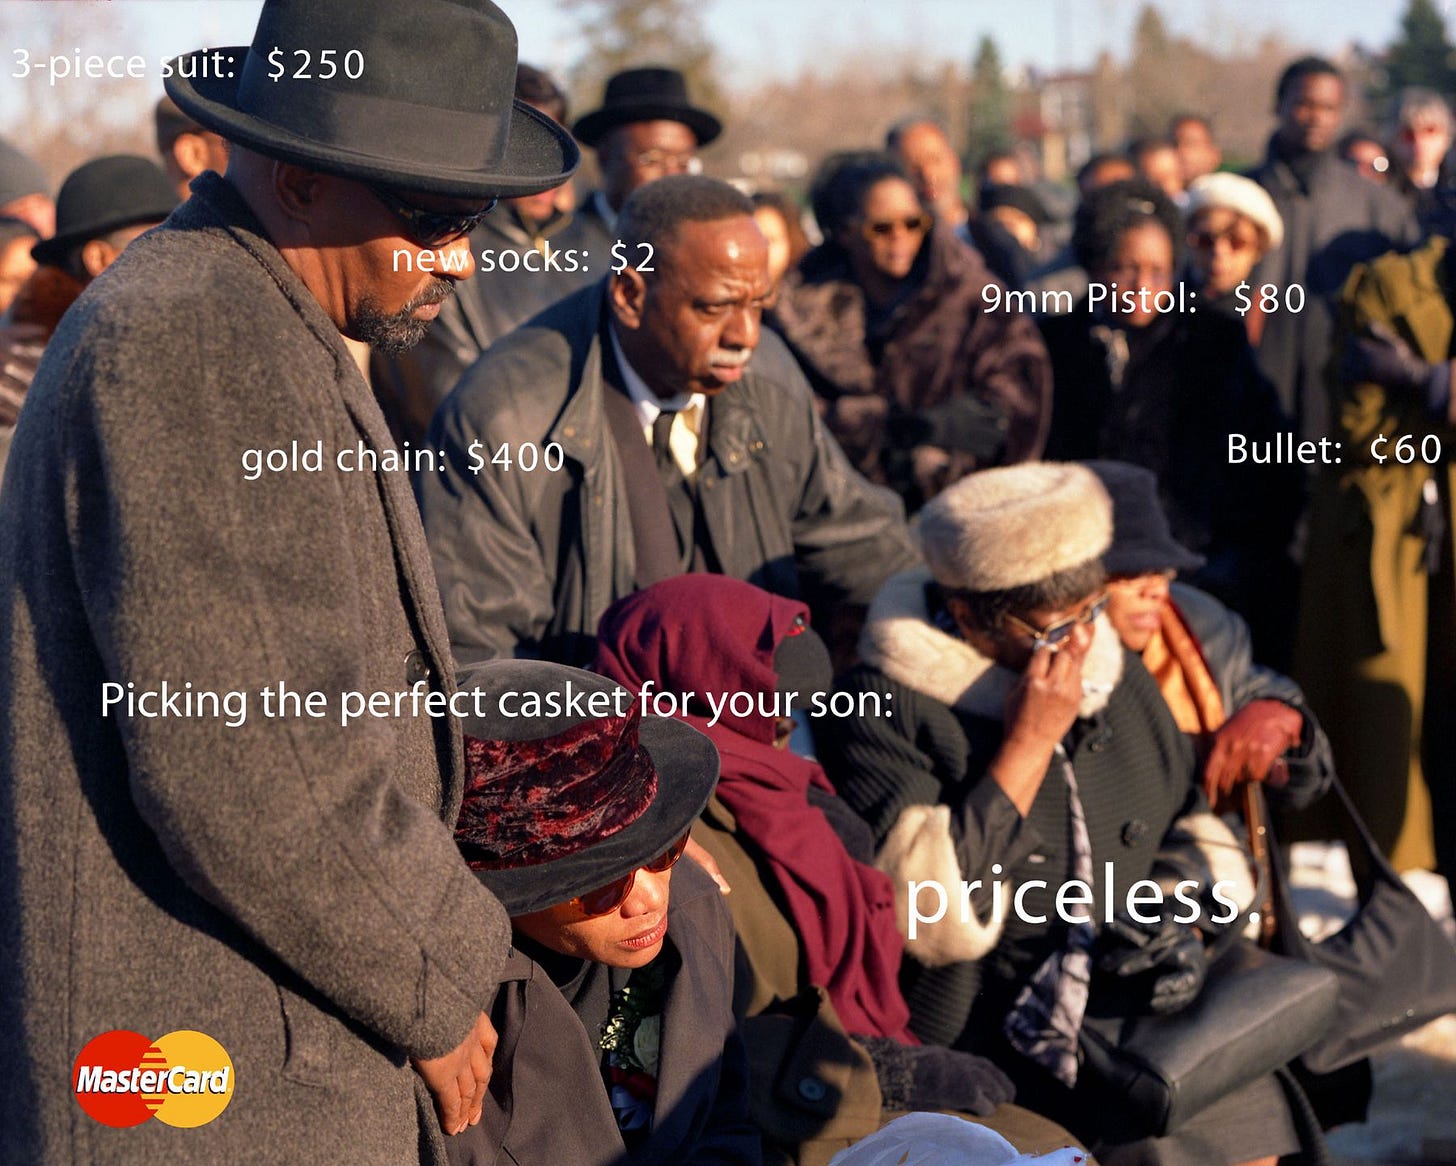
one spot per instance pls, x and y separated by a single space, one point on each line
1024 751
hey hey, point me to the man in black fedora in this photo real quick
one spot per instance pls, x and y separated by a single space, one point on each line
182 845
104 204
645 129
618 991
688 441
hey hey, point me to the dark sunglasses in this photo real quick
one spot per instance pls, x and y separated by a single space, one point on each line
430 228
884 228
1207 240
605 900
1057 634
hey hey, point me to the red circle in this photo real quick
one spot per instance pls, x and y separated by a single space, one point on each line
118 1051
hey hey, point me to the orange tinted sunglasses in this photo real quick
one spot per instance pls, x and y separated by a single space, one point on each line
605 900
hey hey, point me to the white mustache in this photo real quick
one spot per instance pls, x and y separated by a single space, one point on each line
724 358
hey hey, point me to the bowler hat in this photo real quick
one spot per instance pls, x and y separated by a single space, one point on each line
415 96
560 799
1141 539
650 94
104 195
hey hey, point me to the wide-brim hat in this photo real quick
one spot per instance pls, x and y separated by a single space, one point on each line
102 196
560 801
649 94
1142 541
416 97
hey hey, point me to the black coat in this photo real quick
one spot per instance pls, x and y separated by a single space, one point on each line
1134 767
528 561
1189 381
548 1104
1340 220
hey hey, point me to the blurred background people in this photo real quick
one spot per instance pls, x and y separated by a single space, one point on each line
17 237
1367 153
104 204
186 148
777 217
1332 220
1158 161
1377 624
1164 390
1419 147
1198 151
25 192
920 381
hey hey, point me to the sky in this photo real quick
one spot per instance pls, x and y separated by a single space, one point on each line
758 40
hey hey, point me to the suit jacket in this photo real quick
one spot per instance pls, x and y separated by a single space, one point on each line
545 1060
287 886
528 561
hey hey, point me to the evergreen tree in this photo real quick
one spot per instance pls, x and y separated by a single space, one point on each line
990 104
1422 55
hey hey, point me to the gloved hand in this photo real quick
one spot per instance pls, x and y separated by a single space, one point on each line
1383 357
1159 966
1249 746
920 1077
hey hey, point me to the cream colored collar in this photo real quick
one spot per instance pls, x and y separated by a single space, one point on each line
901 641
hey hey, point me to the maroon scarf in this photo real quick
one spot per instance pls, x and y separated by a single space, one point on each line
711 634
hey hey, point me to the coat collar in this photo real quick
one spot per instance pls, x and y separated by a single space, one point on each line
733 431
901 641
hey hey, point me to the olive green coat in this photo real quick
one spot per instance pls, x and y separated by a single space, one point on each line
1361 652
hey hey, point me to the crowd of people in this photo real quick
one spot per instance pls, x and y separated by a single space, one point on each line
889 537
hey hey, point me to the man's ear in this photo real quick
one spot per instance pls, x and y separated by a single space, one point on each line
191 154
97 255
627 293
297 190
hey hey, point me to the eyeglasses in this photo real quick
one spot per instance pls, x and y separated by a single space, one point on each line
1057 634
605 900
429 228
1208 240
668 163
884 228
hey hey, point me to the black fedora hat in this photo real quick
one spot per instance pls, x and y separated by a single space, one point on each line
1141 539
416 96
568 786
103 195
650 94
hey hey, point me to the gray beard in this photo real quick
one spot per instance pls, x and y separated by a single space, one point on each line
396 332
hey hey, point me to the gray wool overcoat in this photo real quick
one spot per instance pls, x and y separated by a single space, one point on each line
289 887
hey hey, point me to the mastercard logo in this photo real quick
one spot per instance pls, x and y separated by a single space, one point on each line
183 1079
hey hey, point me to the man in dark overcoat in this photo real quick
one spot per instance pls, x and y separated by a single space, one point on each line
643 427
175 855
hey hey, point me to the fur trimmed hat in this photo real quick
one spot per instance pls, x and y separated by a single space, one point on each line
1015 525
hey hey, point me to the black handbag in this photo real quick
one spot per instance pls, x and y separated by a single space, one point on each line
1395 966
1257 1011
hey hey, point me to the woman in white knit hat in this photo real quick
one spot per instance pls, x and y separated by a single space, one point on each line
1021 745
1232 224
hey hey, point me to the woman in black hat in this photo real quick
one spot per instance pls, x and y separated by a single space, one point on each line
616 997
1251 720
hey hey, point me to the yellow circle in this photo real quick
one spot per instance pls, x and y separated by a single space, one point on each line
199 1081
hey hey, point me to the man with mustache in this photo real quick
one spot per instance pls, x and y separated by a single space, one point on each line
688 438
286 886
